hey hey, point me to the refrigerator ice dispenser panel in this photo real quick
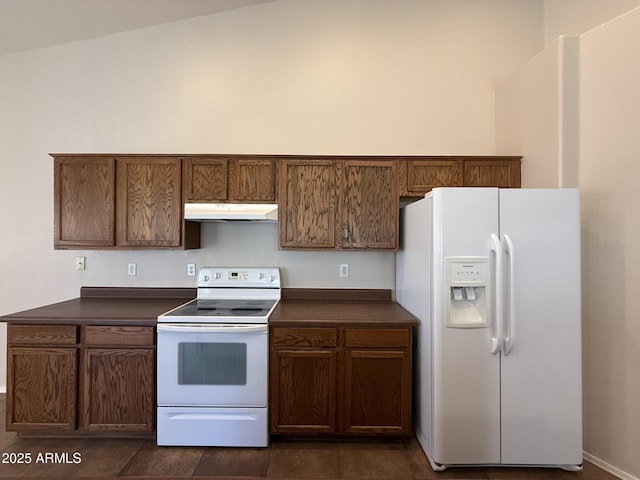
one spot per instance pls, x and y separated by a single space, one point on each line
466 304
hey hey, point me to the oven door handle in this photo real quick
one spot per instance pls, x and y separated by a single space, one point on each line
206 328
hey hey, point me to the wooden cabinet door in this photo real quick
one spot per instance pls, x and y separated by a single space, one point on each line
252 180
377 381
492 173
205 179
41 388
303 391
369 205
84 202
377 390
424 175
149 202
118 389
307 204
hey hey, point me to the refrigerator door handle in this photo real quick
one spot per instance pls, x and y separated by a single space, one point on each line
497 296
510 321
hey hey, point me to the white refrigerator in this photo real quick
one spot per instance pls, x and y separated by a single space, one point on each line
494 277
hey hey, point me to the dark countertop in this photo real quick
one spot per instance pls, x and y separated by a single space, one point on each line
100 305
306 307
298 307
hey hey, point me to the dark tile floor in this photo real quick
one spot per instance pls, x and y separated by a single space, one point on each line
142 459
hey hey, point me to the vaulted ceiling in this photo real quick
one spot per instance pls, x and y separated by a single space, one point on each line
28 24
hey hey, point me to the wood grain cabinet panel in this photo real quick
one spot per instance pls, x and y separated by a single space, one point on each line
41 389
492 173
41 377
118 389
120 201
205 179
58 378
377 392
303 385
307 204
149 197
340 380
252 180
338 204
369 205
109 335
417 176
424 175
118 383
305 337
42 335
84 202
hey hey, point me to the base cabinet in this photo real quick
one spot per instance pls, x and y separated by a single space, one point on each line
118 389
376 392
305 382
41 390
348 381
80 378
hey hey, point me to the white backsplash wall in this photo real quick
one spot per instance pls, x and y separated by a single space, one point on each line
234 244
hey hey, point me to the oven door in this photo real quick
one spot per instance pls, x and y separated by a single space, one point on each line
212 365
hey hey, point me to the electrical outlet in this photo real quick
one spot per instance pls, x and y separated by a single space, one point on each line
191 269
344 269
80 263
132 269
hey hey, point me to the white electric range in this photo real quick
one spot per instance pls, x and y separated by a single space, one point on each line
213 361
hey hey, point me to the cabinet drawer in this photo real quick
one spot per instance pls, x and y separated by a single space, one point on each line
377 338
118 335
42 334
304 337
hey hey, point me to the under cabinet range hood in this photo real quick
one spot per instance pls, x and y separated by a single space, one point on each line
225 212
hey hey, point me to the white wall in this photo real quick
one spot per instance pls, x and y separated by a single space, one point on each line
537 116
291 77
609 173
608 115
574 17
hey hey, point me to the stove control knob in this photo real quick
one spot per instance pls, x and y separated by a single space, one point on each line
218 275
206 278
272 278
260 276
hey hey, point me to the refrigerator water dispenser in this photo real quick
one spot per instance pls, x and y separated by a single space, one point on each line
466 290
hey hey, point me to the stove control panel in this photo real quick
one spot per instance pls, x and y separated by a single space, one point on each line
238 277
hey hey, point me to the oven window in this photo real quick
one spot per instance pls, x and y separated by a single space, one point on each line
212 363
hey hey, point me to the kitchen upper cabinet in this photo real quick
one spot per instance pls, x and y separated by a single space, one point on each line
337 204
307 204
149 202
41 378
417 176
252 180
120 201
492 173
229 179
205 179
84 202
420 176
368 205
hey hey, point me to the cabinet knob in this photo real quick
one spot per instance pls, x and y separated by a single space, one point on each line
345 232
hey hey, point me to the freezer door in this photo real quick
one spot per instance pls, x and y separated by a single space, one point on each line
541 363
466 375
